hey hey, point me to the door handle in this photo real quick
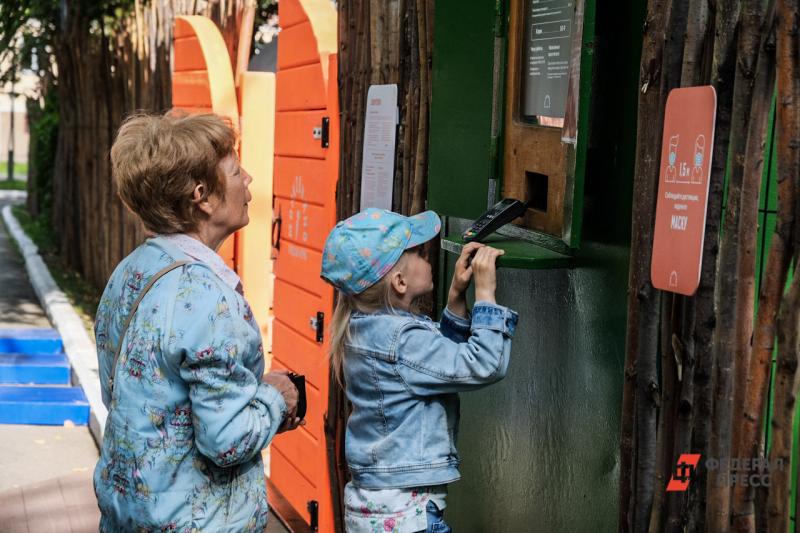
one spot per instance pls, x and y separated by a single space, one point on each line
277 222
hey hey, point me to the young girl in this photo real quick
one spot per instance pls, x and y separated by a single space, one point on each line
401 370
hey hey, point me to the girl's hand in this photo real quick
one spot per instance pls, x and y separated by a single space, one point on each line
484 268
456 301
463 269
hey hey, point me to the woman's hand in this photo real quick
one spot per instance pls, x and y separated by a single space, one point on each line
485 271
280 380
456 300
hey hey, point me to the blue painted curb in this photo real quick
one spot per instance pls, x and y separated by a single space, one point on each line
33 340
43 369
43 405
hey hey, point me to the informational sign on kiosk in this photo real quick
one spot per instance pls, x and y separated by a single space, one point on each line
683 189
377 167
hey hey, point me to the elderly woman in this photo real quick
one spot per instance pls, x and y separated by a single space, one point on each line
181 360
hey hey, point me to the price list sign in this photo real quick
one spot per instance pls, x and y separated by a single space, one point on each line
546 57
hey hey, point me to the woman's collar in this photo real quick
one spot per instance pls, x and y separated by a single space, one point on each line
198 251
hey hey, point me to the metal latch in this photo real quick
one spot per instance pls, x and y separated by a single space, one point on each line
326 131
313 512
318 324
317 132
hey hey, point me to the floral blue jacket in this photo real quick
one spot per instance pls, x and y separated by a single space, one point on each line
189 415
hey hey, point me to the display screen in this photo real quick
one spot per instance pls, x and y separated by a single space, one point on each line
546 57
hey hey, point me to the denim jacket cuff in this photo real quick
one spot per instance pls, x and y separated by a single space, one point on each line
486 315
457 321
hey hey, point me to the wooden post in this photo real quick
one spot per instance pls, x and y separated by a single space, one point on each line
788 151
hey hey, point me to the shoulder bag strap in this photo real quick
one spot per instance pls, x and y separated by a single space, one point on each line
155 277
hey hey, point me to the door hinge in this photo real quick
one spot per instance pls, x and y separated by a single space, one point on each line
313 513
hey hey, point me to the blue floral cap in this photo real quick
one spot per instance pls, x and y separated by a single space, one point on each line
362 249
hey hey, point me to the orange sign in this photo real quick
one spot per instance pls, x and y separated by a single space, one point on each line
683 189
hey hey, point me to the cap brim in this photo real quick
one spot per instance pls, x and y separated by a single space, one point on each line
424 227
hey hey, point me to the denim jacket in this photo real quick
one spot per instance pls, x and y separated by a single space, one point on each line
403 373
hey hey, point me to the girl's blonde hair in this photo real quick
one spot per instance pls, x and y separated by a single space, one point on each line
378 297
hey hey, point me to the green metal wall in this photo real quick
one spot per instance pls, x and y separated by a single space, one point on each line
540 448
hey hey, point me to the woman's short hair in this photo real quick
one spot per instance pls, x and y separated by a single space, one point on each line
158 160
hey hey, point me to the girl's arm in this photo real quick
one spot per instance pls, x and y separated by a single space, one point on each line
454 327
429 363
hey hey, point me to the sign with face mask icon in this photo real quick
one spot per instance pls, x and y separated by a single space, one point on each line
683 189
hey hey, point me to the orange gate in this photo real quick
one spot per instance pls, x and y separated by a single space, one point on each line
306 169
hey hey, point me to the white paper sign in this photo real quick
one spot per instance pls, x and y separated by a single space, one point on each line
377 166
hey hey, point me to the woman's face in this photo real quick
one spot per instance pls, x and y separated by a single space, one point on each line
230 214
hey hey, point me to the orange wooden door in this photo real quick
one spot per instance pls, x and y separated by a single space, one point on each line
305 173
202 82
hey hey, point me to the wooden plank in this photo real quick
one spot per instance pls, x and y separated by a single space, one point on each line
188 54
297 46
304 224
295 134
302 450
45 508
193 110
290 12
295 308
218 78
303 179
12 511
182 29
293 485
301 88
191 89
292 350
284 510
300 266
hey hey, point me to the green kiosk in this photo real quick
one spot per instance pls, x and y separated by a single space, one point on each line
536 100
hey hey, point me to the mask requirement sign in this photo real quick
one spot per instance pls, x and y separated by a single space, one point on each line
683 184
